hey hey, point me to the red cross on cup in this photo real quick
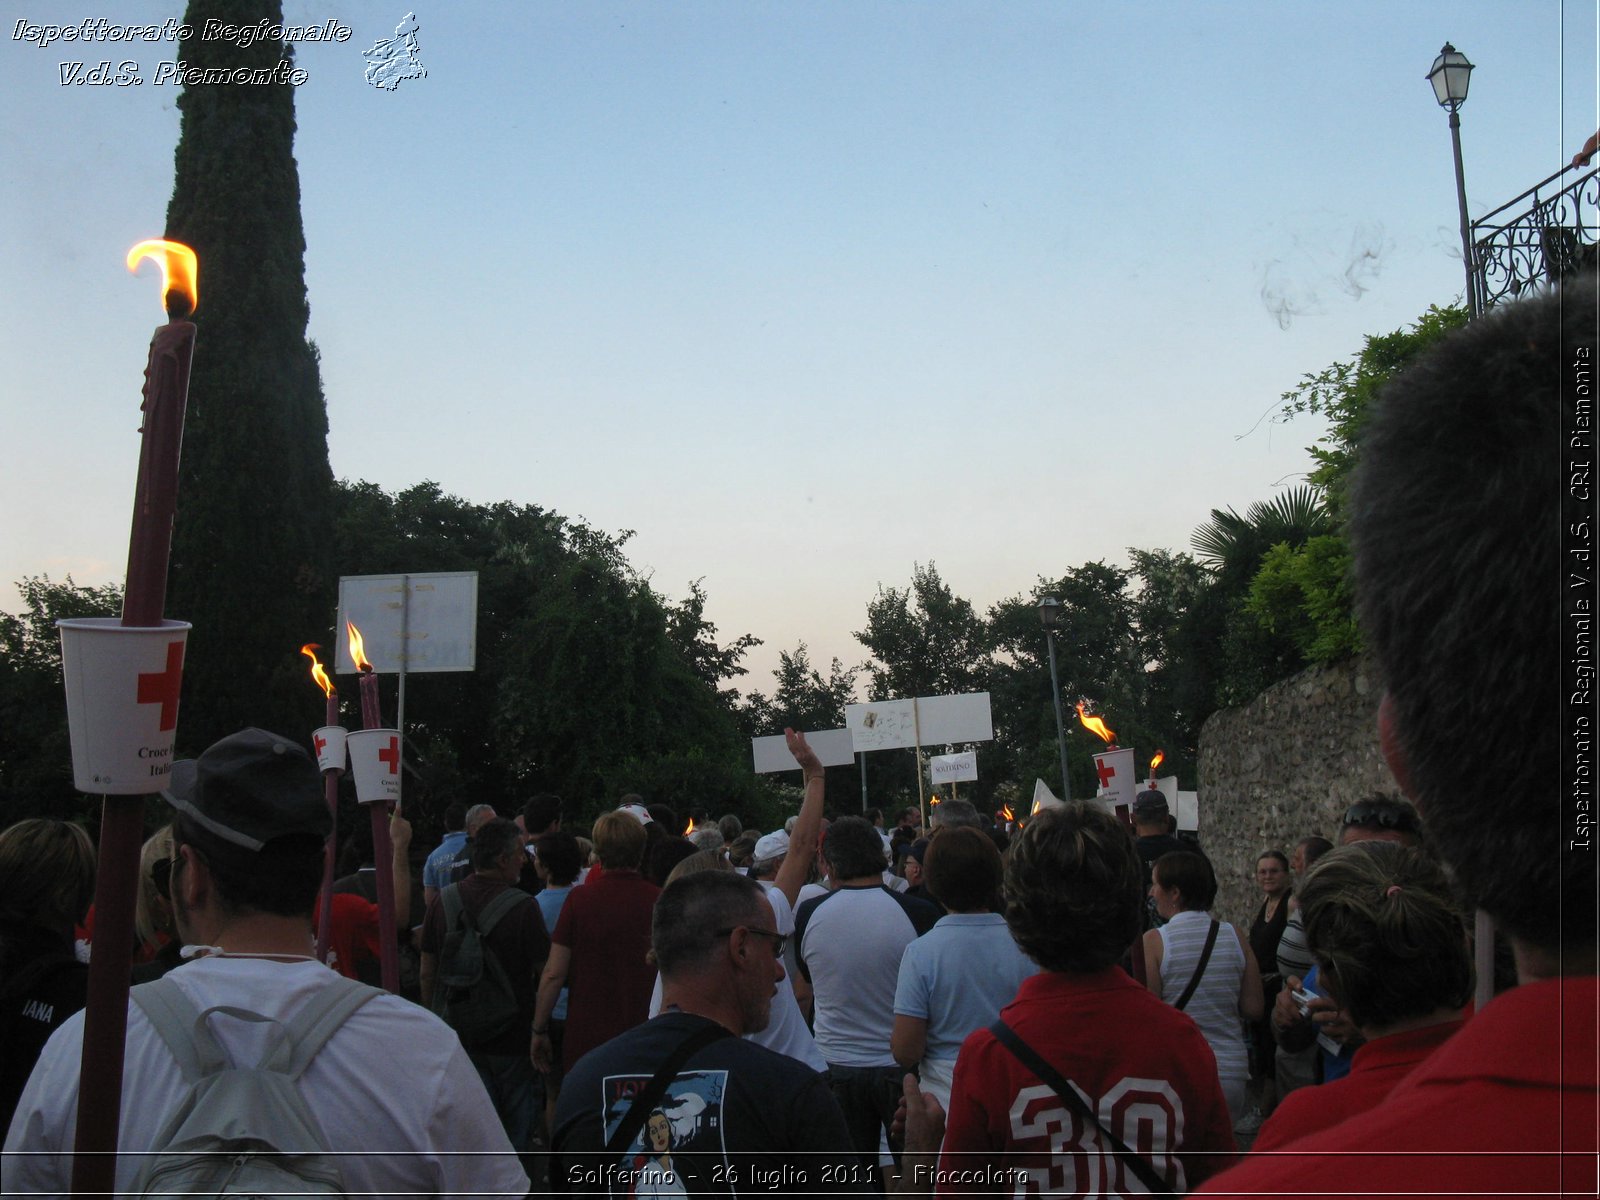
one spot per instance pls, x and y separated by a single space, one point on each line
391 755
162 687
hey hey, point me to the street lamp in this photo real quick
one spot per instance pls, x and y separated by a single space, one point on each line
1450 75
1054 618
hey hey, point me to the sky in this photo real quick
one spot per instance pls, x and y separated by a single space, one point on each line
803 294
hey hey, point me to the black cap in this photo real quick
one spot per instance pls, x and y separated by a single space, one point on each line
249 788
1150 804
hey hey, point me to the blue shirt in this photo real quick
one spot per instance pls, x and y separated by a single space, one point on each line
436 871
551 901
958 976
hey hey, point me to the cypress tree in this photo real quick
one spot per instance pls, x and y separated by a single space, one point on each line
250 566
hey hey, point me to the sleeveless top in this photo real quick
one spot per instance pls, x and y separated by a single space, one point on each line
1215 1003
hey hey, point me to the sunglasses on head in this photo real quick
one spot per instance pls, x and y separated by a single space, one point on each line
1385 816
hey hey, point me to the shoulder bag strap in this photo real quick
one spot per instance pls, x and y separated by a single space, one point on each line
1199 967
450 898
181 1026
644 1100
320 1018
499 907
1030 1058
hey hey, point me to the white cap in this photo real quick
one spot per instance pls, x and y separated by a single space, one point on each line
638 812
773 845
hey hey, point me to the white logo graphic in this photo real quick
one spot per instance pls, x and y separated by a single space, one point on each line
392 60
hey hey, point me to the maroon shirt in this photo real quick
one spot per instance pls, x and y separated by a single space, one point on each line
606 926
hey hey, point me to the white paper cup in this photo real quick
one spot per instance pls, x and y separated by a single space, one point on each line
375 762
328 742
122 702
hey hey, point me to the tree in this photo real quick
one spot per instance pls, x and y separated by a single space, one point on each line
695 638
250 564
803 699
36 753
925 640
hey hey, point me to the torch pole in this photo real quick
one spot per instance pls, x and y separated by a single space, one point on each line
105 1019
382 849
330 792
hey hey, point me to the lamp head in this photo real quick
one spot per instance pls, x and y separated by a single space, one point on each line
1450 76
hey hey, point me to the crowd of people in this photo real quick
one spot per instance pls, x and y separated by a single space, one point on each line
952 1007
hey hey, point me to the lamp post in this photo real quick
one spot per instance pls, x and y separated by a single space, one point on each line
1051 615
1450 75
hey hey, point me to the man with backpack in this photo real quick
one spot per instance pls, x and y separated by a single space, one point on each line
483 946
258 1046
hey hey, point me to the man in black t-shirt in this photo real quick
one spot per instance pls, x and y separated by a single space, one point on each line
735 1117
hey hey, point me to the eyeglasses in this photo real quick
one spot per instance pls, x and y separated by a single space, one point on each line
161 877
1384 815
779 940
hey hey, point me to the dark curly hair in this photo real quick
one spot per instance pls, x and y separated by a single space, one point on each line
1074 889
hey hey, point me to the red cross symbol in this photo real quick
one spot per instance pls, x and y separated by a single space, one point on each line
391 756
319 742
1105 770
161 687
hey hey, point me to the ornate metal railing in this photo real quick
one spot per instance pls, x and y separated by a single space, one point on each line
1543 235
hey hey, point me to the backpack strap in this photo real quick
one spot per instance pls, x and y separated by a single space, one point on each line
1199 967
320 1018
453 908
647 1097
501 905
181 1026
1136 1163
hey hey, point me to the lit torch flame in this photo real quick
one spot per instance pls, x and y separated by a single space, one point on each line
1096 726
180 274
317 672
1006 813
689 830
1161 757
358 648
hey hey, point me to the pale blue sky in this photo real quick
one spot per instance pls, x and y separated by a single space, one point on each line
803 293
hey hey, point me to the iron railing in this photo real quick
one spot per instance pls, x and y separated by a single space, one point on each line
1541 236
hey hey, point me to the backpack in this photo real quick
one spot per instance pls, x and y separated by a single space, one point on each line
243 1131
472 991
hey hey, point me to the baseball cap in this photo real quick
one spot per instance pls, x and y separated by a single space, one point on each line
1150 804
771 846
638 812
249 788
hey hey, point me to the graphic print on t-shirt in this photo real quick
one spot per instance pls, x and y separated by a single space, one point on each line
680 1150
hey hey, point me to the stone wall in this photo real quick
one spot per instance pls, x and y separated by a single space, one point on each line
1283 767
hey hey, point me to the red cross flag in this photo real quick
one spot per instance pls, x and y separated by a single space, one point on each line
1119 778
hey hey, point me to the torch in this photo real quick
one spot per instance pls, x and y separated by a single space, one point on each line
329 744
382 849
1159 758
155 504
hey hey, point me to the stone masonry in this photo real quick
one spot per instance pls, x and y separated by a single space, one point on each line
1283 767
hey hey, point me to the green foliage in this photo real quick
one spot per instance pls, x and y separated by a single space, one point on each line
250 563
1344 392
1305 595
1234 546
35 753
925 640
587 682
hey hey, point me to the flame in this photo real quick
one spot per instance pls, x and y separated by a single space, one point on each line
1005 811
180 274
1161 757
689 830
358 648
317 672
1037 805
1096 726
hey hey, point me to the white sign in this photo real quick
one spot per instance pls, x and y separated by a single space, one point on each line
422 622
884 725
1044 798
953 768
1188 811
1119 778
927 720
832 746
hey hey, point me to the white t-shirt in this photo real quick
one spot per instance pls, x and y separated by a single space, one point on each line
786 1032
851 942
393 1078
